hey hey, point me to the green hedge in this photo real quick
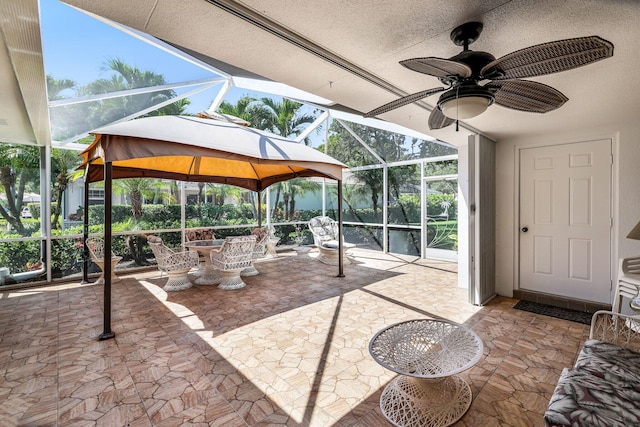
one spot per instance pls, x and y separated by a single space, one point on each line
67 253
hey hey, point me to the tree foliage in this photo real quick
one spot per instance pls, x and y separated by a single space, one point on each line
284 117
19 172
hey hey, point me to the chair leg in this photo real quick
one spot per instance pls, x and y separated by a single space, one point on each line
249 271
330 257
114 277
231 280
178 281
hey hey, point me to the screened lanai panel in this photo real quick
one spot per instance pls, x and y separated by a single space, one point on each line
442 214
209 204
20 190
21 197
362 194
84 57
387 146
345 144
404 195
77 119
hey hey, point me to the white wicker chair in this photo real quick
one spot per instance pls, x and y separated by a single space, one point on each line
235 254
325 237
272 241
175 264
96 249
262 237
628 282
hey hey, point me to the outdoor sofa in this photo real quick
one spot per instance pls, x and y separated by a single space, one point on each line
603 387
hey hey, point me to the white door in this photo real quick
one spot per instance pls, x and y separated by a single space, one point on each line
565 220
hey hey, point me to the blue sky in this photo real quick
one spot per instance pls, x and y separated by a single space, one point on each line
76 47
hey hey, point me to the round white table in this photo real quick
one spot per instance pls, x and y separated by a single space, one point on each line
427 353
209 275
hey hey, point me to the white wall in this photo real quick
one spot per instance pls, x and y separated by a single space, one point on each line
464 275
626 195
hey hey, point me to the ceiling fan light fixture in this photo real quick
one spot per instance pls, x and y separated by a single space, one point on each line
465 102
465 108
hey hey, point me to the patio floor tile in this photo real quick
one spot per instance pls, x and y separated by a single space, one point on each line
290 349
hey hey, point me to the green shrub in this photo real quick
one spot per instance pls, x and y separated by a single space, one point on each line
65 254
16 255
34 208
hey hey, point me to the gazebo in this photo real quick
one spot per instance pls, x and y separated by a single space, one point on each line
197 149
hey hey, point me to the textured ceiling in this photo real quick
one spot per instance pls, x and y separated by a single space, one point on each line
362 42
24 116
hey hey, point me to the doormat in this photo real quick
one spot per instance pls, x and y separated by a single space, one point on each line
557 312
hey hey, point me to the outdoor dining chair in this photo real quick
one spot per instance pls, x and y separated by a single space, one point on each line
235 254
176 264
262 237
325 237
96 249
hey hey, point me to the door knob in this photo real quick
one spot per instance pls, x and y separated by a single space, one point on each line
525 229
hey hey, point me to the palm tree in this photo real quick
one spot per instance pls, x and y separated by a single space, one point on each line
290 189
67 121
130 77
136 189
56 86
220 192
246 108
63 163
284 118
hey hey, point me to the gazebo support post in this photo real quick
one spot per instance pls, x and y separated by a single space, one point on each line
85 230
108 201
259 208
340 242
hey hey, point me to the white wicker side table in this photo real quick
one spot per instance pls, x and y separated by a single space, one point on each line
427 353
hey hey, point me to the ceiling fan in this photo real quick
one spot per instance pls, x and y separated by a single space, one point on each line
467 95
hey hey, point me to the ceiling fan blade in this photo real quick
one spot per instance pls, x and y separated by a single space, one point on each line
548 58
403 101
525 95
437 120
437 67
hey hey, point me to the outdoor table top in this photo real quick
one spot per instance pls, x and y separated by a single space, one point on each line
426 348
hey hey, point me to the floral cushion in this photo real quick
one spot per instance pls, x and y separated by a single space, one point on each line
199 234
330 244
602 390
611 363
260 233
323 228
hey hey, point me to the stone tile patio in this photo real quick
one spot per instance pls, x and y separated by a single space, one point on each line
291 349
